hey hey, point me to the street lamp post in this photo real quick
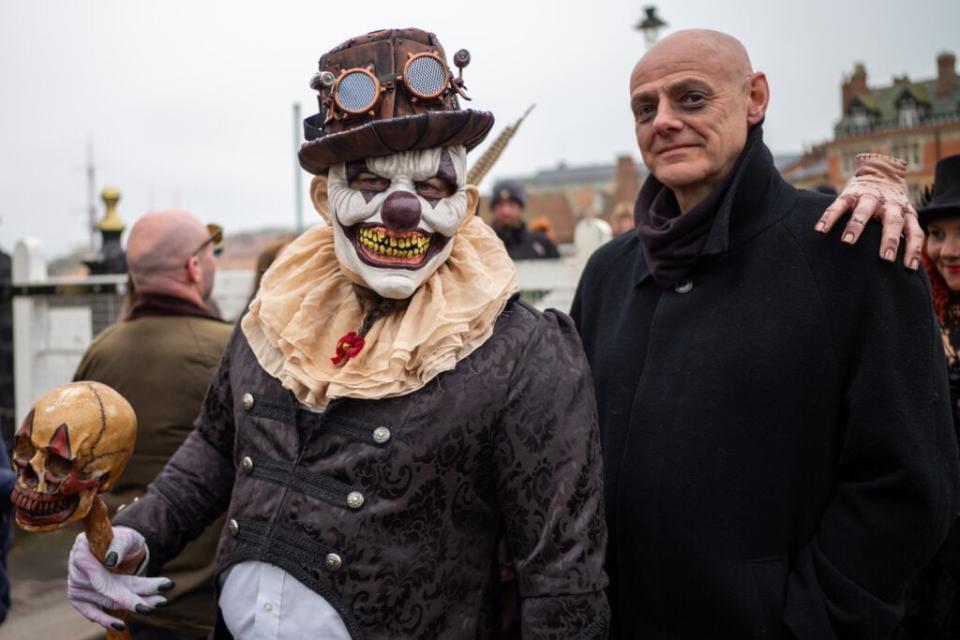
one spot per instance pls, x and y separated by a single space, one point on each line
650 25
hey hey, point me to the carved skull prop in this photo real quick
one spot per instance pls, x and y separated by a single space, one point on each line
74 443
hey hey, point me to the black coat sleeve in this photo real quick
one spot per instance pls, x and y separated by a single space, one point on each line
194 488
549 476
898 476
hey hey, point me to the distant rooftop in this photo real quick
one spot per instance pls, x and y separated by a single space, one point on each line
564 175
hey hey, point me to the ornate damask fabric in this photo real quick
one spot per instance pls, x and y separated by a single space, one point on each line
392 509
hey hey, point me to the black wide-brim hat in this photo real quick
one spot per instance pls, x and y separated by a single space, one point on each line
386 92
944 199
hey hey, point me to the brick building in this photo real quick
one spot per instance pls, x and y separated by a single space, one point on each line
917 120
565 194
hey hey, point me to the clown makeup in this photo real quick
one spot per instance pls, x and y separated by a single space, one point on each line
394 216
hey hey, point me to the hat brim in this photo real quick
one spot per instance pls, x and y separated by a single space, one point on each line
928 214
387 137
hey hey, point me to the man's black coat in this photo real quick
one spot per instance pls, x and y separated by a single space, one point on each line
779 456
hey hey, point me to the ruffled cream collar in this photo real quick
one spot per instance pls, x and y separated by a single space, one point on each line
306 304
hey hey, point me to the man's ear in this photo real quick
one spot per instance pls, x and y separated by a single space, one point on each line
193 269
318 193
759 98
473 201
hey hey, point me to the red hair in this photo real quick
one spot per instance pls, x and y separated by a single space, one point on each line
938 287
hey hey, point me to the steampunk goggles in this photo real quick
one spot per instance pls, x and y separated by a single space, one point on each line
215 238
357 91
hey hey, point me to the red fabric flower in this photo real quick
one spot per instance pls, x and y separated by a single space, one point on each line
348 347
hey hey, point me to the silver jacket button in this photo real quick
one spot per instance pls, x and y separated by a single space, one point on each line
246 464
247 401
234 527
354 499
332 562
381 435
683 287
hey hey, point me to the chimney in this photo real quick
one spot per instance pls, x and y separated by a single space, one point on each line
855 85
626 181
946 73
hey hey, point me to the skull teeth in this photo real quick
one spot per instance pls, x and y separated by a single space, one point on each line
38 504
380 241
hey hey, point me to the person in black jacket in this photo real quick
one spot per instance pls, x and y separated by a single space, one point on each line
508 202
779 456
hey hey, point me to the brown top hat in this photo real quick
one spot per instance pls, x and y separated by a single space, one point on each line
386 92
944 199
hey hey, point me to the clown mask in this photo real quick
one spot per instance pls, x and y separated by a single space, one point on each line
394 217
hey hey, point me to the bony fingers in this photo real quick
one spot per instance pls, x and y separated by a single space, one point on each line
831 215
97 615
915 239
861 215
95 599
156 601
888 248
912 258
126 542
853 230
148 586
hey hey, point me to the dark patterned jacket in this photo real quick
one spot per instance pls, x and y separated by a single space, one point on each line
392 509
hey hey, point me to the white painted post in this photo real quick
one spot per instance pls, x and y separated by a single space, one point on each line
29 267
588 235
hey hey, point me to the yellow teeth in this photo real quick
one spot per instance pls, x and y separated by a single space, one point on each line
380 242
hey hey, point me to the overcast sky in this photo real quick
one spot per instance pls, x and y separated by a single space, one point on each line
188 103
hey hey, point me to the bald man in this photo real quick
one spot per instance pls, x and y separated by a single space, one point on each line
779 457
161 358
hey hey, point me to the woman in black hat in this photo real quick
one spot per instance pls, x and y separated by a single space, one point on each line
933 598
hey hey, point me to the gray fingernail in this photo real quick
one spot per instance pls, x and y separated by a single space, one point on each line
166 586
144 609
848 237
119 626
111 559
162 603
889 255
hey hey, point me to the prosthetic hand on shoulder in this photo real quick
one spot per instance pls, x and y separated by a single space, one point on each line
93 589
878 189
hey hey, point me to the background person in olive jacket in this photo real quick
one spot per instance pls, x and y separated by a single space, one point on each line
779 457
161 359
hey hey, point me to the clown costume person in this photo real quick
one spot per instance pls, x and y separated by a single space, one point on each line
388 410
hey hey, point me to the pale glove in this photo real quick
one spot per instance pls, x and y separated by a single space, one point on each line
92 589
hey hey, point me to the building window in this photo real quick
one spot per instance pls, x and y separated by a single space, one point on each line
909 150
909 115
859 119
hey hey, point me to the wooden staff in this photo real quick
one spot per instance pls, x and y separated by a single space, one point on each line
99 536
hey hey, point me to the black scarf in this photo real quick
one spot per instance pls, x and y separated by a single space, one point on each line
673 242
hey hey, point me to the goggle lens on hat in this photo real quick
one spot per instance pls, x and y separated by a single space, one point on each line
358 91
425 76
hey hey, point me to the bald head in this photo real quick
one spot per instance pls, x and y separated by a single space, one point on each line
718 53
160 246
694 96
